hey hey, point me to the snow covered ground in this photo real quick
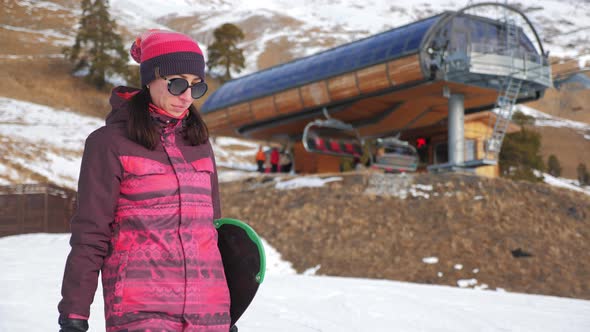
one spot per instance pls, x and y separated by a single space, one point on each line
31 268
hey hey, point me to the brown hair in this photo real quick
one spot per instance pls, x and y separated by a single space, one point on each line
142 130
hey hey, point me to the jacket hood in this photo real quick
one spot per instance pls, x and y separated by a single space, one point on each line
119 101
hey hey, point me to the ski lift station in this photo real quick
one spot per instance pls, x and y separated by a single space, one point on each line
436 95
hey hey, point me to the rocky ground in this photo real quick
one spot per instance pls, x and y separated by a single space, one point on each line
378 225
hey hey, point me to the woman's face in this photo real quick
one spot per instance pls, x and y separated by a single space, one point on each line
161 97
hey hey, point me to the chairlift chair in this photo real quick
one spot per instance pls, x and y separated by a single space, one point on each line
332 137
395 155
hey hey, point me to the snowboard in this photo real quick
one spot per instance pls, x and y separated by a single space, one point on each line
244 262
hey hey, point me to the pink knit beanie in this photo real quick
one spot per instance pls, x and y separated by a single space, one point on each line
170 52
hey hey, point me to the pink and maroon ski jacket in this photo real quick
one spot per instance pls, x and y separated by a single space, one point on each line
145 221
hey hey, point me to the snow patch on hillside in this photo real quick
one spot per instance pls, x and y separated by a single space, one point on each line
44 140
305 182
563 183
546 120
50 142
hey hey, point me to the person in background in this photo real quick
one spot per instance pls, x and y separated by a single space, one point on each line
147 197
274 160
260 159
284 162
267 166
356 162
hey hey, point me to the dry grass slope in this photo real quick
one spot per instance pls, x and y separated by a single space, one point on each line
351 229
568 145
47 81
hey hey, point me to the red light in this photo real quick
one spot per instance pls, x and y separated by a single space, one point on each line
420 142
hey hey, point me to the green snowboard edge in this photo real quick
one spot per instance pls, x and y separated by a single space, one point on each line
253 236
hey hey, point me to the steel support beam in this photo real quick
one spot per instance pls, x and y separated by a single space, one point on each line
456 141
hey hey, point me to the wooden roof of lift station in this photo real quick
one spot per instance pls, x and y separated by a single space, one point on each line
394 81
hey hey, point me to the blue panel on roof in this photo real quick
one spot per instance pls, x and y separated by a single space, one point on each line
346 58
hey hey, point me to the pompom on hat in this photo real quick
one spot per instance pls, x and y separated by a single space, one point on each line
170 52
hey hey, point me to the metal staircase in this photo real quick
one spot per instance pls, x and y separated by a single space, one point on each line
507 97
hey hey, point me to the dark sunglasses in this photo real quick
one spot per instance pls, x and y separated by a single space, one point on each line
177 86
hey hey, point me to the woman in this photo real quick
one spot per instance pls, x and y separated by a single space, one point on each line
147 198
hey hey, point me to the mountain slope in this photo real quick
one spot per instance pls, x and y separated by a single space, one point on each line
34 32
452 229
279 31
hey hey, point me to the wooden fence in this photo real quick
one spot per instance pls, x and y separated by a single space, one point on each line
35 208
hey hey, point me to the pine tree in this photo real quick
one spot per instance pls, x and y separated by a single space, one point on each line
224 51
522 119
520 155
553 166
98 48
583 175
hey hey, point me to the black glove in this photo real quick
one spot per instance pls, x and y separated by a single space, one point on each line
73 325
233 329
